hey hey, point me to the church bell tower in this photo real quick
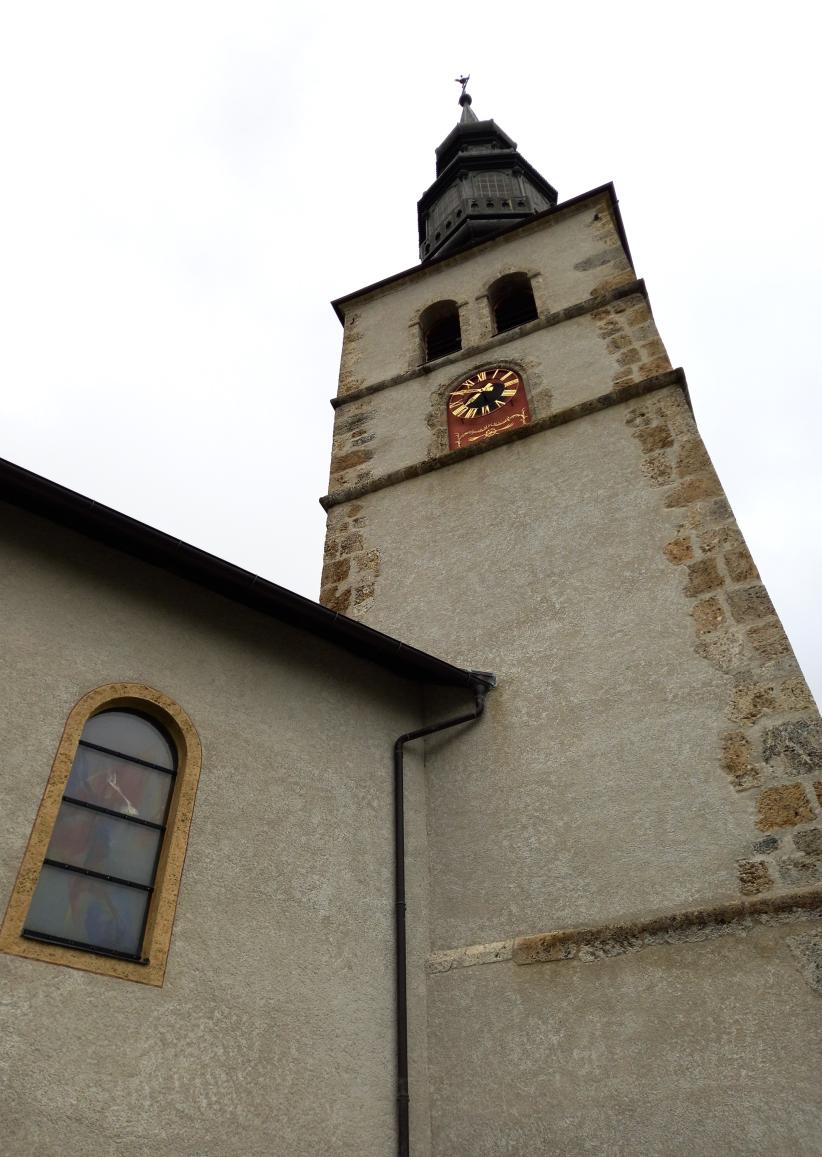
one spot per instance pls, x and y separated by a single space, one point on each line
621 860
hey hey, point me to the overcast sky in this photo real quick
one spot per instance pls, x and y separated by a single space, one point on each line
187 185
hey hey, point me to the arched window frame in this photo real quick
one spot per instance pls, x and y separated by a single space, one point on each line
157 938
505 286
434 315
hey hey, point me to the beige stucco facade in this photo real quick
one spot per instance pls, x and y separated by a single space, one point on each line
273 1031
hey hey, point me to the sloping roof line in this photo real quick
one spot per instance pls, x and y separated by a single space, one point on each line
65 507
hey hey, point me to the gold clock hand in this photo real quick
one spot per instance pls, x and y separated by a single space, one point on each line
473 390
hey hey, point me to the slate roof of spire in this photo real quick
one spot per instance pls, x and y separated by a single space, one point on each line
461 207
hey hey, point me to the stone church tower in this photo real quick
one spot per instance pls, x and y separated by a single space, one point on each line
617 868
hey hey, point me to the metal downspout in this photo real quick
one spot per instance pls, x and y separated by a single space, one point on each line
484 682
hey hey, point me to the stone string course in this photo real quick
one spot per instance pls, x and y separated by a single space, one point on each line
773 743
601 941
369 482
621 286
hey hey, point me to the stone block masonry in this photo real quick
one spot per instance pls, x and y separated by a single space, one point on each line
773 744
350 568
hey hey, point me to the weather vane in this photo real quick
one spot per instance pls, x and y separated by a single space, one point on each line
463 80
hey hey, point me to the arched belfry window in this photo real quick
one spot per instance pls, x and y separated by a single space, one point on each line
100 879
512 301
440 326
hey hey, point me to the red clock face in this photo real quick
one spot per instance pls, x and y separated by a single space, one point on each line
485 391
487 403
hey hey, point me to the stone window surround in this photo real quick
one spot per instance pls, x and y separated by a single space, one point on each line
476 324
475 346
536 282
156 943
428 317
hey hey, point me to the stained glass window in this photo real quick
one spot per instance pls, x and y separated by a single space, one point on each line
95 885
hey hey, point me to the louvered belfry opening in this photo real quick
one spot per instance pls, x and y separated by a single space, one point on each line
441 334
512 302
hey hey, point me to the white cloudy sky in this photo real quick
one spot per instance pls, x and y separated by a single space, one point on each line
187 184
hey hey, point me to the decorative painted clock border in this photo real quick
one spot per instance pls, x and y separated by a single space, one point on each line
473 406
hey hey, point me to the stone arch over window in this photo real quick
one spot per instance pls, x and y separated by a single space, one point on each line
440 330
512 301
97 889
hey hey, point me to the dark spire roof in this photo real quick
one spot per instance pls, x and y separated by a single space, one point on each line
468 115
483 186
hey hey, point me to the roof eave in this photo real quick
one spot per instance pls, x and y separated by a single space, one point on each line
39 496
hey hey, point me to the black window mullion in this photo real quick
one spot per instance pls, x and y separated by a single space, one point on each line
127 758
107 811
98 875
46 938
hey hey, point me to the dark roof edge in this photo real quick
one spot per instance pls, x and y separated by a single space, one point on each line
608 188
56 503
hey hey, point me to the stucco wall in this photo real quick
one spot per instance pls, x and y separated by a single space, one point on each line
595 776
677 1050
274 1030
600 787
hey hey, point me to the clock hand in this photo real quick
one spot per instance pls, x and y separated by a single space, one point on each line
474 390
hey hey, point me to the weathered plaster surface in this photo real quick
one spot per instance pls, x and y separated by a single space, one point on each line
706 1047
274 1030
596 775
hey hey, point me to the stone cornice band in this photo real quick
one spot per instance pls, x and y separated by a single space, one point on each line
589 305
559 418
598 941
